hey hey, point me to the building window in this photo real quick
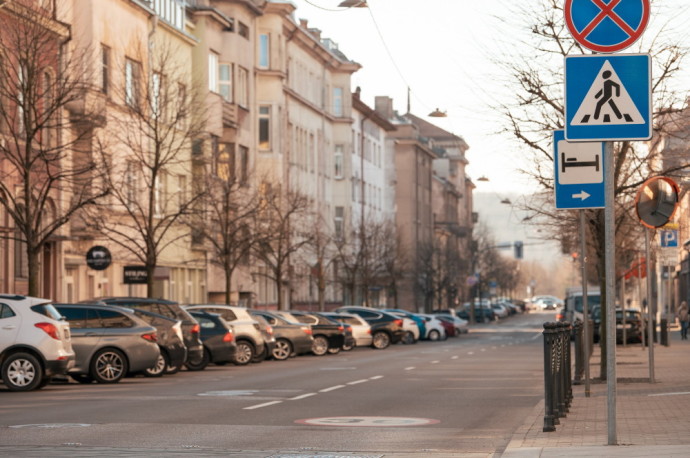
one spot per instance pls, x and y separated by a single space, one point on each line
105 69
339 222
21 258
244 165
338 161
264 127
131 184
213 72
264 50
242 87
182 108
181 192
132 74
338 101
243 30
225 81
225 161
156 82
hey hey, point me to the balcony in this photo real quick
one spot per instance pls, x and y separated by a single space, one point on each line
229 114
89 107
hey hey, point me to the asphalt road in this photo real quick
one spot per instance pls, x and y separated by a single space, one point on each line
462 397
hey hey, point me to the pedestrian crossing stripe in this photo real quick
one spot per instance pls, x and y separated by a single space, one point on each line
607 102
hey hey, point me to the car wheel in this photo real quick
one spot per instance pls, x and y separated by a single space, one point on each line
158 369
380 340
348 347
434 335
201 364
22 372
108 366
320 346
408 338
282 350
81 378
262 356
244 354
170 370
334 350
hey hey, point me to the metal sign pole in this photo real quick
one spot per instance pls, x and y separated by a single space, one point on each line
650 316
610 254
585 309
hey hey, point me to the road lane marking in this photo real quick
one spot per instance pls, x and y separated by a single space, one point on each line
435 362
332 388
357 382
409 368
454 357
265 404
376 377
470 353
302 396
670 394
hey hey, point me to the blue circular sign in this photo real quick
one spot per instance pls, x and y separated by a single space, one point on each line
606 25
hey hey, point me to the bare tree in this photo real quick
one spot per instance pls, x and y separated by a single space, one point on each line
323 251
283 230
150 168
43 168
536 78
228 219
391 259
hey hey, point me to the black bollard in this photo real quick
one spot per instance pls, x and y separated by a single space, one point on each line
579 352
664 332
549 414
567 364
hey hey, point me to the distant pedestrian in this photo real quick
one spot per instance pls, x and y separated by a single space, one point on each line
684 318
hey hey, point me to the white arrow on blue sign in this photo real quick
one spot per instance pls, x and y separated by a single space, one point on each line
608 97
579 173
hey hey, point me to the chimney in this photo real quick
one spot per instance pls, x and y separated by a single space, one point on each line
303 23
316 33
383 105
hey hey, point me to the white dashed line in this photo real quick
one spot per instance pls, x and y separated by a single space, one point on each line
265 404
470 353
409 368
332 388
454 357
435 362
302 396
376 377
356 382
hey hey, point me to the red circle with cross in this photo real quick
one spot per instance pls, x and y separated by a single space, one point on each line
606 11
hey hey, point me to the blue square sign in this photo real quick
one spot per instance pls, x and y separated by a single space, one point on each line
608 97
579 173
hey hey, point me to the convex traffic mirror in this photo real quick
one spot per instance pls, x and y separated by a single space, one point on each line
656 201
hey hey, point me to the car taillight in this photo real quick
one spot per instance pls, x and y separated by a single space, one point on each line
196 329
399 323
269 330
307 330
369 331
49 329
341 328
228 337
559 317
150 336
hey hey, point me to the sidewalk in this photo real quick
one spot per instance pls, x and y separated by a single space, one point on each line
652 419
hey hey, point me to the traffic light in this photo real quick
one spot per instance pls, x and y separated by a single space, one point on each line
518 249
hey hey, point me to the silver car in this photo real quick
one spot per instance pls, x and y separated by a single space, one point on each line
109 342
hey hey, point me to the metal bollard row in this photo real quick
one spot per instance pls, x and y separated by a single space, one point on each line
558 393
578 330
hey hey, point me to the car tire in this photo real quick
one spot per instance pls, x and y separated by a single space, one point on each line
348 347
170 370
108 366
201 364
159 368
320 346
244 354
81 378
262 356
408 338
334 350
22 372
434 335
380 340
282 350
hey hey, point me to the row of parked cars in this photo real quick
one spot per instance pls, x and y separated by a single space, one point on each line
106 339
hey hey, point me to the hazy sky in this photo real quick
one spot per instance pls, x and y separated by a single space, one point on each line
444 52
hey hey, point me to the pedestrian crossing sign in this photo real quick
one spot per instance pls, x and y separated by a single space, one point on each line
608 97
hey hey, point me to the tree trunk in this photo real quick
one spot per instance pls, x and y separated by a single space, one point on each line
150 271
34 271
228 282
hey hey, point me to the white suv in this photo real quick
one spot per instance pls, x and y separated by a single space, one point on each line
35 342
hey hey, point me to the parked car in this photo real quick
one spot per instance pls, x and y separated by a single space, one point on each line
173 352
349 338
483 312
292 338
328 334
410 327
420 322
248 336
269 339
459 324
435 330
361 330
218 339
634 325
109 342
386 329
35 342
171 309
500 310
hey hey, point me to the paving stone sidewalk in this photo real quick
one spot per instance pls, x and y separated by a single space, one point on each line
652 419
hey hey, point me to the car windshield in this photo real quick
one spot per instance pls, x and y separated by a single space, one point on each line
592 300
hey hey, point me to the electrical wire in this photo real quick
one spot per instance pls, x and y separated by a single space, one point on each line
325 9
